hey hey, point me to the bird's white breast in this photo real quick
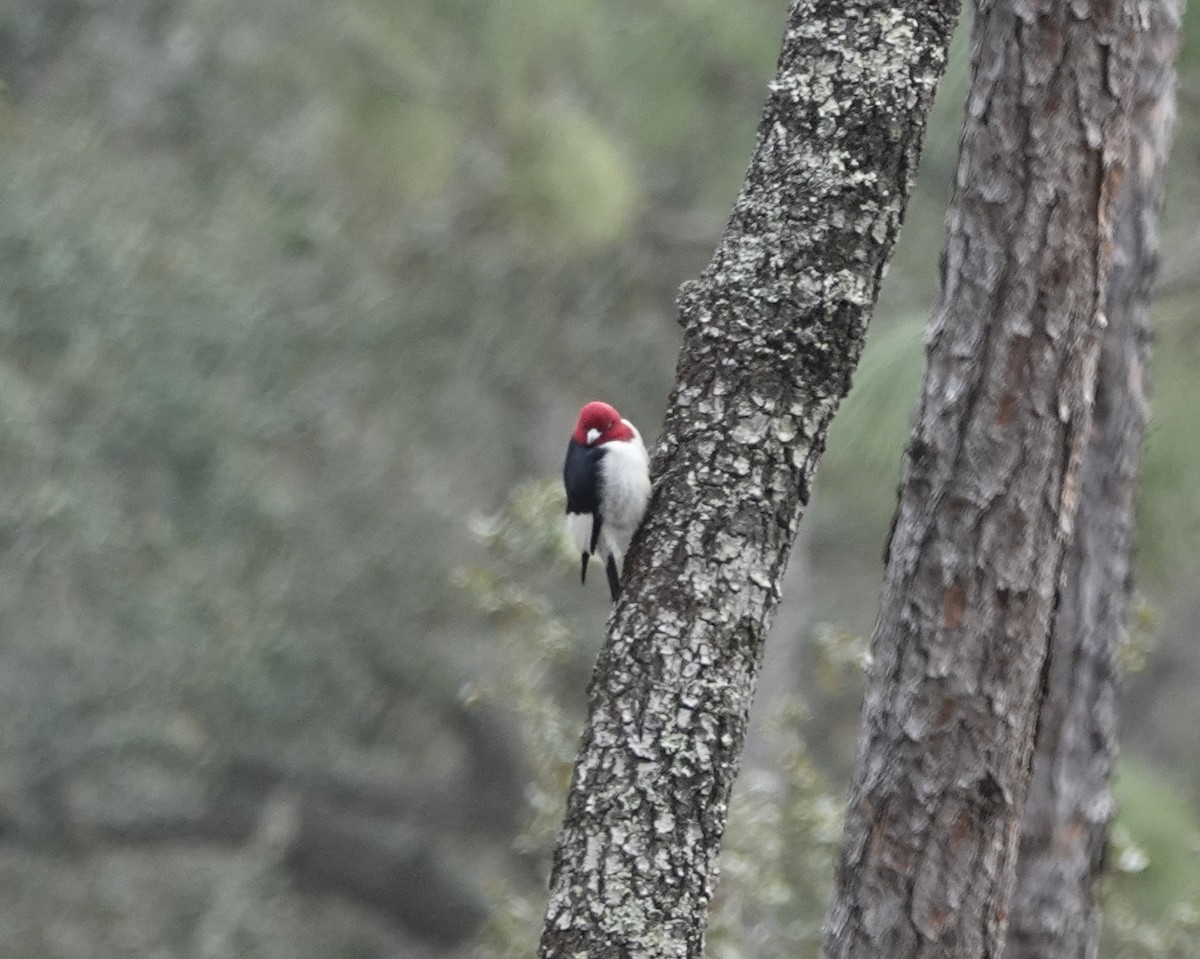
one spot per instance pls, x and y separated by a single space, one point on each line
625 487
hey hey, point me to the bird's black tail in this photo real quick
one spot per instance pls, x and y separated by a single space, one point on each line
614 579
583 568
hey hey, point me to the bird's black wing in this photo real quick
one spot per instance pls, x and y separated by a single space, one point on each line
581 478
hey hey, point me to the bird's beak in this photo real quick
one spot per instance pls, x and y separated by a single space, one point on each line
592 435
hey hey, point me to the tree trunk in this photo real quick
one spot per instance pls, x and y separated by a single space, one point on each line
773 330
990 486
1063 831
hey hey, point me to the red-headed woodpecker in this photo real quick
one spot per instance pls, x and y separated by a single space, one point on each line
607 476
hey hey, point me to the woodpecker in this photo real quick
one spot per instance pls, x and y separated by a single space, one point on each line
607 476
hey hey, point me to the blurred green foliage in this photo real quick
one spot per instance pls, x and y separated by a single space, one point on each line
777 856
288 291
1157 854
1151 897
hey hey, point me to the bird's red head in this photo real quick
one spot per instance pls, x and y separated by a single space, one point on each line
600 423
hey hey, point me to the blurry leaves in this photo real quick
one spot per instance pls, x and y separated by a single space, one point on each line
1126 855
861 467
1128 935
1140 636
779 845
529 532
398 151
1169 504
842 657
777 856
1157 834
545 119
214 530
285 285
569 178
536 647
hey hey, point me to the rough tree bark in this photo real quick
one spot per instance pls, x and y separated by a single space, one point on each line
773 330
990 487
1054 913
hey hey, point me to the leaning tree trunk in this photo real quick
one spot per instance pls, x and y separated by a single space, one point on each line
773 330
990 486
1054 914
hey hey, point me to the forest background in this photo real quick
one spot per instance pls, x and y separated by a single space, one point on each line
293 296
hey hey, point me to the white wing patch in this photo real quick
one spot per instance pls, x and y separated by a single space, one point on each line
579 525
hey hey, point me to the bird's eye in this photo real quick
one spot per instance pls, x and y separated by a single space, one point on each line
610 426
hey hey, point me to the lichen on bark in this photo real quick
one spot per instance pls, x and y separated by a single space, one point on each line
772 331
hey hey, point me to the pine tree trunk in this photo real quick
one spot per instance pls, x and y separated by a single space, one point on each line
1054 913
991 483
773 330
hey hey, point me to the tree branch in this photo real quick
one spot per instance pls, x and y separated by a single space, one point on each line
773 330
